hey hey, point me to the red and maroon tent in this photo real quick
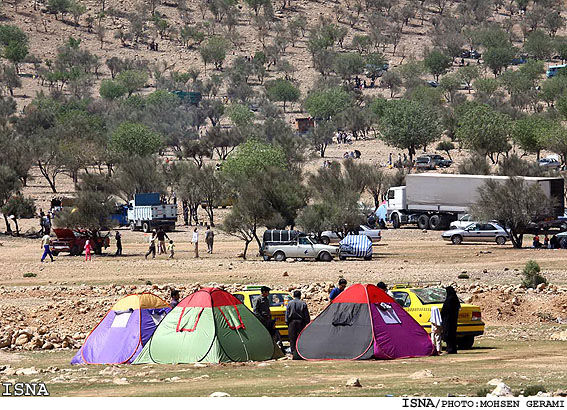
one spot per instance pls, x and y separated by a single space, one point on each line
363 322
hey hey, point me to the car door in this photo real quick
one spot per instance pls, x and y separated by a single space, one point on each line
305 248
488 232
473 233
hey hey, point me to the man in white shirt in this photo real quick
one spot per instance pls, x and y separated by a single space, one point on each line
195 241
46 245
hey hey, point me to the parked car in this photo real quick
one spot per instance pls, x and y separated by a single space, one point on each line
418 301
462 222
433 84
424 163
73 241
475 54
355 246
432 161
375 235
523 59
549 163
477 232
301 247
278 304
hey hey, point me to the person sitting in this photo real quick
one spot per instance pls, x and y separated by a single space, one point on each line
536 244
345 155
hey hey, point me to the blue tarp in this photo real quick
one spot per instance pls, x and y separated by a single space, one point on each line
356 245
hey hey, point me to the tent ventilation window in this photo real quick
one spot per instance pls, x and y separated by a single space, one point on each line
389 315
193 316
121 318
346 314
232 318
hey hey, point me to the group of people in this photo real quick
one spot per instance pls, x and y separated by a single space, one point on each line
343 138
548 243
45 222
361 84
352 154
399 163
159 236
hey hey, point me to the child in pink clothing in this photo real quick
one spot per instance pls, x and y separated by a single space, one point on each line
88 251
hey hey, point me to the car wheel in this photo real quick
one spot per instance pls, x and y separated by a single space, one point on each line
500 240
343 258
368 258
465 343
55 253
132 226
423 222
396 221
325 257
146 227
325 240
279 256
457 239
435 222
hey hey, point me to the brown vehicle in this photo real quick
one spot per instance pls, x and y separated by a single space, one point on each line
73 241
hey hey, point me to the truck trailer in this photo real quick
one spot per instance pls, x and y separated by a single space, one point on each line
146 212
433 201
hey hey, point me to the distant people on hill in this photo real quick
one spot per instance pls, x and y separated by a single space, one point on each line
337 290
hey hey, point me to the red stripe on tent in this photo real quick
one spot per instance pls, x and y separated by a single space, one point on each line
209 297
194 326
240 326
359 293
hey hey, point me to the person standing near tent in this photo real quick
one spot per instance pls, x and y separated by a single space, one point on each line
264 315
296 318
436 328
152 247
449 318
174 298
118 239
88 249
384 287
195 241
46 246
337 290
209 239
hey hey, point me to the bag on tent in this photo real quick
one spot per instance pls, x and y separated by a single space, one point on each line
120 335
210 326
363 322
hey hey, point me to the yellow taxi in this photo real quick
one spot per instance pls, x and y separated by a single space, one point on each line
418 302
278 304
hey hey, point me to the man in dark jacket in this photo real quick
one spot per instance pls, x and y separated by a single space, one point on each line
449 318
262 312
296 317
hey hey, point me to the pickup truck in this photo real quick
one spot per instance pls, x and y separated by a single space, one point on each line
147 212
300 247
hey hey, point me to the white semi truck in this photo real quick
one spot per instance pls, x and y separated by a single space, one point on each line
433 201
147 212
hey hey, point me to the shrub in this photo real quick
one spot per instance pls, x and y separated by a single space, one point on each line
532 276
30 275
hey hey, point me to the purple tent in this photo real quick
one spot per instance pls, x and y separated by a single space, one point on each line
124 330
363 322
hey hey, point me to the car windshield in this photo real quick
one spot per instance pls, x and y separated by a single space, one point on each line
430 295
276 299
423 160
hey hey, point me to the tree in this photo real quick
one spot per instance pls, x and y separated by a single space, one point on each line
468 74
214 51
111 90
77 10
531 133
476 164
392 81
282 90
407 124
19 207
539 44
58 7
240 115
485 131
327 103
446 146
515 204
14 43
437 63
212 187
347 65
499 58
513 165
9 183
321 136
132 80
135 139
137 175
251 158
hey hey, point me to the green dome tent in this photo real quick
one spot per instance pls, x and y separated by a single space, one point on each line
210 326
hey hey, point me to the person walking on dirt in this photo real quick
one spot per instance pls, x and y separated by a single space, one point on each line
118 239
161 235
209 239
195 241
449 318
41 216
296 318
171 249
46 246
337 290
152 247
88 249
46 225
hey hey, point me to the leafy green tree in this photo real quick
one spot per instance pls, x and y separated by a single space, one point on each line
15 44
136 175
437 63
484 130
111 90
446 146
553 88
9 183
19 207
327 103
499 58
557 141
321 136
58 7
375 64
468 74
515 204
392 81
214 51
531 133
240 115
251 158
77 10
347 65
407 124
450 85
539 45
256 5
135 139
282 90
132 80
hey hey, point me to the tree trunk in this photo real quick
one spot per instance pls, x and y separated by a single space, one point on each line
246 243
8 227
50 180
17 226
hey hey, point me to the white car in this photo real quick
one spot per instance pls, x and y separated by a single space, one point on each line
477 232
462 222
375 235
303 247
